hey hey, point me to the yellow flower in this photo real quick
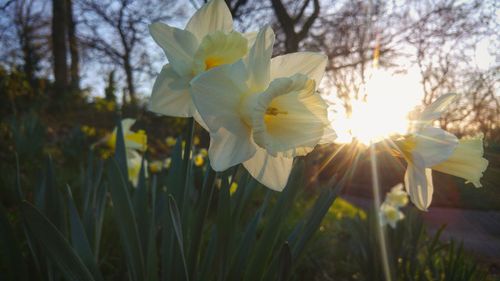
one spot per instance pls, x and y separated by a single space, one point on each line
233 188
207 42
198 160
171 141
466 161
155 166
204 152
88 130
133 140
196 140
263 112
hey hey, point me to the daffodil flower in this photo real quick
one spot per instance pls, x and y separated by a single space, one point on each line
390 214
466 161
155 166
134 161
133 140
263 112
397 196
428 148
207 41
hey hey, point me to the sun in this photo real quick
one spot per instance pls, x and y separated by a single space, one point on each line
384 112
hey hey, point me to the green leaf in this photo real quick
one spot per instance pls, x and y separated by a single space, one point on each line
126 222
285 263
176 221
54 244
12 266
79 239
198 224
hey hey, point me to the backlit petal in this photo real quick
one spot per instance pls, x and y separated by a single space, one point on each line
434 145
211 17
179 46
171 94
466 161
258 60
270 171
433 111
219 48
228 149
418 183
286 118
216 94
307 63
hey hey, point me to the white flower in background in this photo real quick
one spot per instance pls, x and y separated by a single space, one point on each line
389 210
134 161
207 42
390 215
263 112
427 148
397 196
167 163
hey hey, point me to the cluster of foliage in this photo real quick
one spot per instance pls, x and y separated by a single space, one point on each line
175 226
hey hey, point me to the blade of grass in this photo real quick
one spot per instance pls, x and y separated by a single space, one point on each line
54 244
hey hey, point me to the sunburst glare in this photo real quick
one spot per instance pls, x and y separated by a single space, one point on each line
383 111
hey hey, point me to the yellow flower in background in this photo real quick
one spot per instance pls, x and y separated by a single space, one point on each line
198 160
466 161
207 42
89 131
397 196
204 152
390 215
233 188
155 166
171 141
342 208
104 105
263 112
196 140
133 140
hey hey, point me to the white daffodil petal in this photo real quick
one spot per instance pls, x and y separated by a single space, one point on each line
286 120
259 59
171 94
418 183
216 94
434 145
433 111
211 17
272 172
127 123
134 161
307 63
228 149
179 46
466 161
219 48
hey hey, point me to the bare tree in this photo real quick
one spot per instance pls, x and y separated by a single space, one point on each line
295 26
59 47
73 47
116 31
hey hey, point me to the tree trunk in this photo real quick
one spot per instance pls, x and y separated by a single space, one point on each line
130 79
59 47
73 48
